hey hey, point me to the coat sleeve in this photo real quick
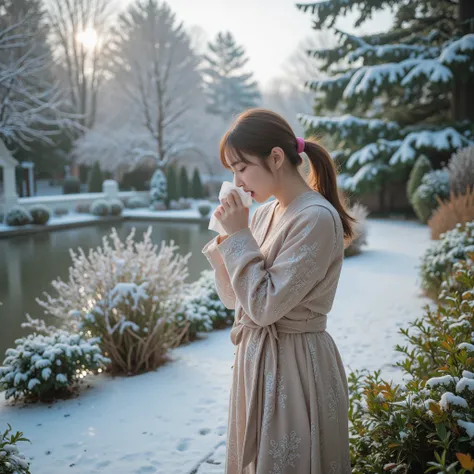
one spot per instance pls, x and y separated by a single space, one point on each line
223 285
268 294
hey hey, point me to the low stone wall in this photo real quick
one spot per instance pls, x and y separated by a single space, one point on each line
70 201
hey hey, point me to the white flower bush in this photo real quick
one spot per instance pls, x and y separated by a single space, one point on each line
127 294
43 366
203 310
18 216
359 212
12 461
439 258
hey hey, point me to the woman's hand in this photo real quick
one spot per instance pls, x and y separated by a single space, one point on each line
232 214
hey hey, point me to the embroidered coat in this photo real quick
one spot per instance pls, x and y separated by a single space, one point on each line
288 410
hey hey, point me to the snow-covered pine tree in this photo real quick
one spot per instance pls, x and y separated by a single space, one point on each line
398 94
229 89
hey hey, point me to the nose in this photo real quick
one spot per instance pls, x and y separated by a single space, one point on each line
238 182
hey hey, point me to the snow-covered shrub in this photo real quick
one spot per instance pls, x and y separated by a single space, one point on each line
461 170
12 461
40 214
100 207
42 367
185 203
116 207
438 260
458 209
18 216
61 211
203 310
136 202
460 279
204 209
421 167
83 208
180 204
360 213
71 185
158 187
427 422
158 206
174 205
127 294
434 185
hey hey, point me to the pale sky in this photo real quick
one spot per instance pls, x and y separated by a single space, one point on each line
269 30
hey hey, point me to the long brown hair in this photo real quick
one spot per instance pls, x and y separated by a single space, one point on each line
257 131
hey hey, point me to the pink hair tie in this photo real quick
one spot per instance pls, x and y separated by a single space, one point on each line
300 145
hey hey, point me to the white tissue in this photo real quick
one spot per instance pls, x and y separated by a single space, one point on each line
226 188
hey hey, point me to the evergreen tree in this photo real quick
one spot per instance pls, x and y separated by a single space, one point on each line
404 93
172 179
183 183
421 167
229 89
197 189
95 179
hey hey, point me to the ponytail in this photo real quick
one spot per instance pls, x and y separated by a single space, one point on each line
323 179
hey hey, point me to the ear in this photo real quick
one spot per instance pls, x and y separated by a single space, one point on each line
277 156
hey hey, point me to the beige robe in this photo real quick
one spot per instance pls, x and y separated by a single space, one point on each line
289 399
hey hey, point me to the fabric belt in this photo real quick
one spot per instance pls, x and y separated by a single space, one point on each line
314 323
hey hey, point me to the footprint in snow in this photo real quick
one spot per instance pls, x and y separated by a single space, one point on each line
183 445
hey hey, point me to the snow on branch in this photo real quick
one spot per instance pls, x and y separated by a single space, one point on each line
448 139
333 83
391 52
373 152
359 130
410 65
31 108
367 173
371 80
328 11
460 51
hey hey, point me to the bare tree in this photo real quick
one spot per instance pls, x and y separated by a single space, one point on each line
287 94
302 66
150 56
32 107
80 31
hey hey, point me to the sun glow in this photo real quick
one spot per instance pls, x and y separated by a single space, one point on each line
88 38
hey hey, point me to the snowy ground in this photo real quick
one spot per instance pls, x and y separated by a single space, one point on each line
173 421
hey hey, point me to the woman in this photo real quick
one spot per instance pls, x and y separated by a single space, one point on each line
289 398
